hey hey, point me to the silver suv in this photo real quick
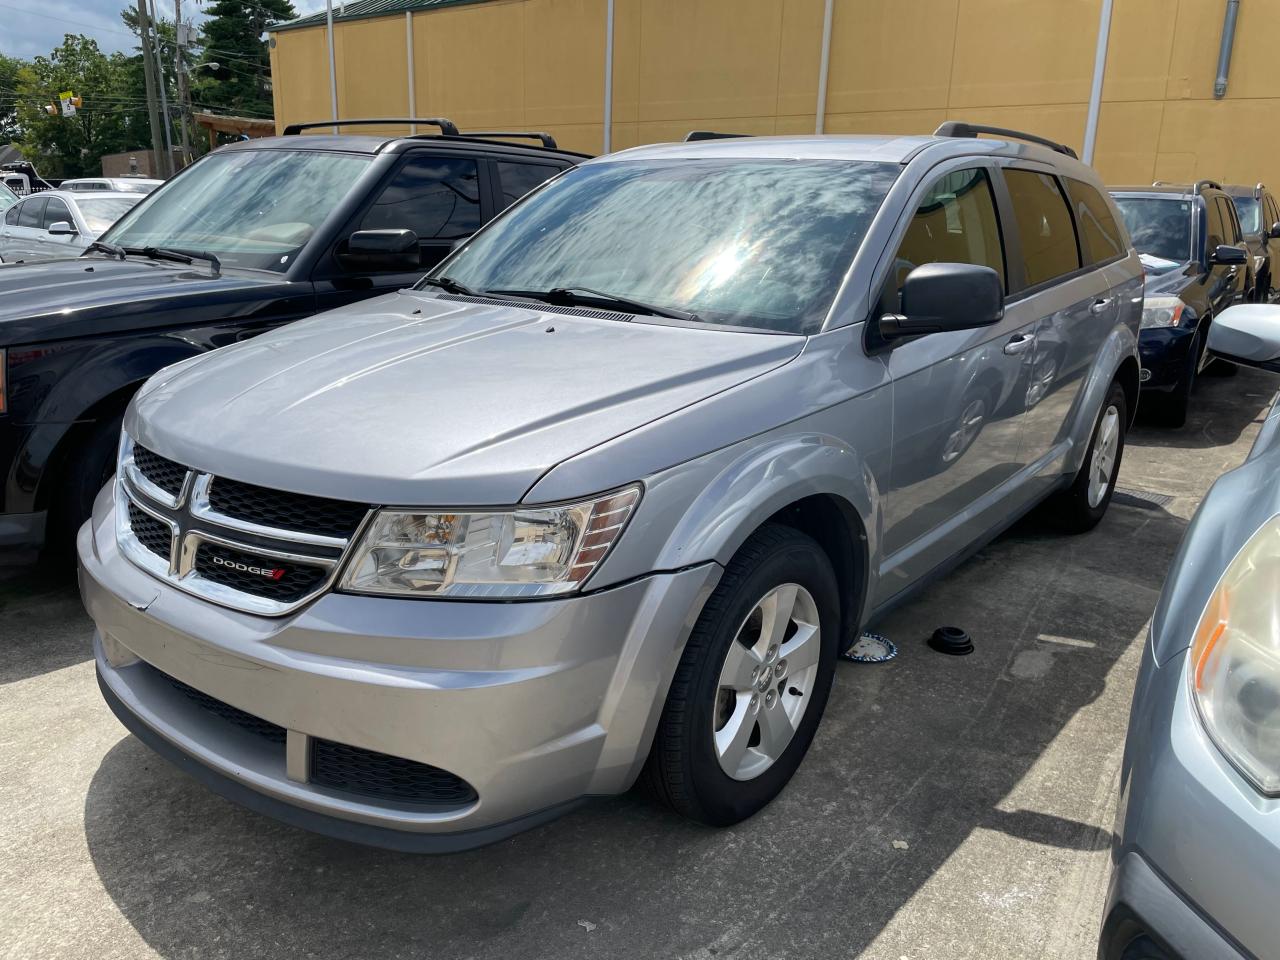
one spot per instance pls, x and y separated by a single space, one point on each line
604 495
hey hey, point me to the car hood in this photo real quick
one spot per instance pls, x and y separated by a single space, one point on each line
81 296
417 399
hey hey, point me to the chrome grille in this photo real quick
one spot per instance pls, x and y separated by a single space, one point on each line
161 471
243 546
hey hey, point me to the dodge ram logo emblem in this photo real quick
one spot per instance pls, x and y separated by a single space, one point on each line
272 573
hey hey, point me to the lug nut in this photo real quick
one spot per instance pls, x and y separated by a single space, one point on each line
780 670
755 673
773 652
769 698
755 703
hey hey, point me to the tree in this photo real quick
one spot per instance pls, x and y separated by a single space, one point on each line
232 38
9 67
112 118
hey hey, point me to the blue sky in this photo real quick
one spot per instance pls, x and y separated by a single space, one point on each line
32 27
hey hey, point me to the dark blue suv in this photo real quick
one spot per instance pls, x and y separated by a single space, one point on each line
1193 252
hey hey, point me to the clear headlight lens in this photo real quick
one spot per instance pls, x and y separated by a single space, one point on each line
1234 667
1163 312
522 552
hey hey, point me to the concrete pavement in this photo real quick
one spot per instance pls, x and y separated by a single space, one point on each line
950 807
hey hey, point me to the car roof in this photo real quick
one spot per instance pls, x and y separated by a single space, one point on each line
879 149
1171 190
363 143
78 197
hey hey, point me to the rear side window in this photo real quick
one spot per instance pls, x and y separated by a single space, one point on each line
1230 225
955 223
31 213
1099 234
517 179
1044 226
438 198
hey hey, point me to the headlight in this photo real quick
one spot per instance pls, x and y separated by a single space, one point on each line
1164 312
521 552
1234 668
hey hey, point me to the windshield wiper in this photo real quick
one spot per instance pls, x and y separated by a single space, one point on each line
578 295
178 256
106 247
450 285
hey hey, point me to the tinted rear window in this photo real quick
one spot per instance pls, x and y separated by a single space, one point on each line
1100 235
1044 226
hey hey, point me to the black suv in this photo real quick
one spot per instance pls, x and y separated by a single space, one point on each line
1260 222
254 235
1193 251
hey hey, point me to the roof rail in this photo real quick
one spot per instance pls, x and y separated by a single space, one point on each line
447 127
695 135
1201 184
957 128
1258 190
547 139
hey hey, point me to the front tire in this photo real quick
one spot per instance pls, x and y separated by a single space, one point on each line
92 466
1083 505
752 683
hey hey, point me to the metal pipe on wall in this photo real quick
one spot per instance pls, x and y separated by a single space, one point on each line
824 66
408 51
1099 74
1229 19
608 77
333 73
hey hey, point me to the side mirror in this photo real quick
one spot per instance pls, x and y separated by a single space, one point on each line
937 297
1274 232
370 250
62 228
1247 334
1228 256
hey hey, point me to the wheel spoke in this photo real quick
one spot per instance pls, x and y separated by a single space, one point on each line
802 650
738 665
775 730
733 737
777 609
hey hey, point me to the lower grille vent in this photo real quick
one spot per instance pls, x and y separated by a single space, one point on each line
371 774
245 721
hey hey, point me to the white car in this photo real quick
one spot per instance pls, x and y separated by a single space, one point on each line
57 223
112 184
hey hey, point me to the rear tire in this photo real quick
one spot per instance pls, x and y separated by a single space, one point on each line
1080 507
726 746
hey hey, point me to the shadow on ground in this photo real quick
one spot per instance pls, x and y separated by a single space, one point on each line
43 626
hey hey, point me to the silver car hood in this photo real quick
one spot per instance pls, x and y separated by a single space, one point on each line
414 399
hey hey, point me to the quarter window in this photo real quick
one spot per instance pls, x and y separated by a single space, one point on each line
955 223
1048 238
438 198
1099 234
11 215
517 179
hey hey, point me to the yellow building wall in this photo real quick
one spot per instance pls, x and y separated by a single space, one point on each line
751 66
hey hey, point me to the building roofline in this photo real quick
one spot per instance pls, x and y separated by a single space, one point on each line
369 10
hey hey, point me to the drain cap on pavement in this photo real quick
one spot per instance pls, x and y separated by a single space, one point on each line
871 648
952 641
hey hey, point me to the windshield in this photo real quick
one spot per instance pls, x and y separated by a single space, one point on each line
1159 228
7 197
251 208
101 212
1247 209
132 186
753 243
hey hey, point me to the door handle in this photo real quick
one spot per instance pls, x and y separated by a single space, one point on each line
1099 306
1019 343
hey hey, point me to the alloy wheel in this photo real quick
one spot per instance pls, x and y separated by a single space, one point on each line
1103 462
767 681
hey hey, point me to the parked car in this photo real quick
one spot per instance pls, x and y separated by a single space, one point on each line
253 235
1197 266
1197 850
1260 223
114 184
611 487
58 224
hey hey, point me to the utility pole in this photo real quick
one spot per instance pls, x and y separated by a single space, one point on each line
149 73
180 69
164 94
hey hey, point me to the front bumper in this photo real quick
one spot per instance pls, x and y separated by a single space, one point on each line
1197 854
534 705
1165 354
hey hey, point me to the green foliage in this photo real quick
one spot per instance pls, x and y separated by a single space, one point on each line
112 119
232 37
9 67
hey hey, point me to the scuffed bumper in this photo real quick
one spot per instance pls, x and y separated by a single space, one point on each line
534 705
